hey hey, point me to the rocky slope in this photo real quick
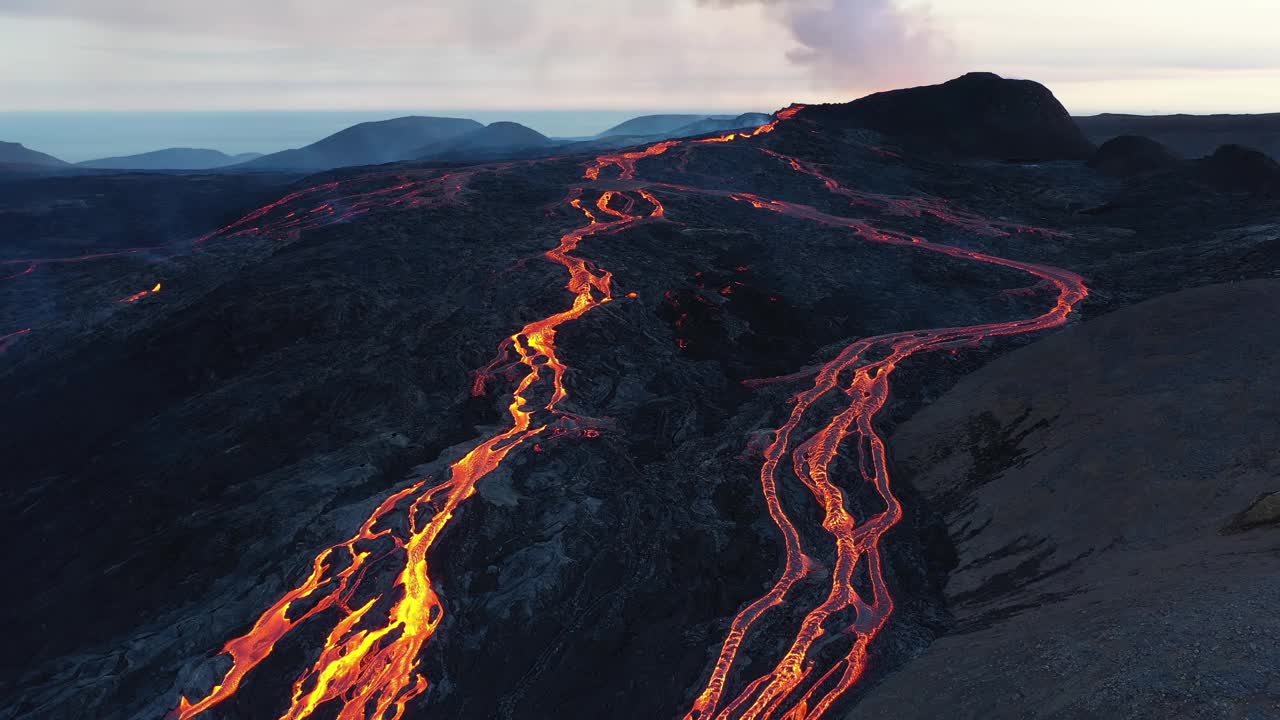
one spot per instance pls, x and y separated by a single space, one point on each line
1106 490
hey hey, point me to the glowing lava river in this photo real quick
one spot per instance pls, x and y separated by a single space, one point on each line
374 627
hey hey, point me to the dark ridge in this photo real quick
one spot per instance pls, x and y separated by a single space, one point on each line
1239 169
1130 155
1190 136
979 115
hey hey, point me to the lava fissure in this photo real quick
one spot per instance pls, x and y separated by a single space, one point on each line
369 664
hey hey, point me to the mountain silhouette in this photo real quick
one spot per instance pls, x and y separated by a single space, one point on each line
1191 136
369 143
646 125
16 155
714 125
1132 155
495 139
1240 169
170 159
979 115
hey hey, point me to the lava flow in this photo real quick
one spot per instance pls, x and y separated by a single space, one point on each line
13 337
369 667
141 294
802 685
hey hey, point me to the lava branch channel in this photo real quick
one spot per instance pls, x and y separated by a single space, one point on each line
774 694
369 662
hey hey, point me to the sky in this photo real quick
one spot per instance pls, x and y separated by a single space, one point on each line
1147 56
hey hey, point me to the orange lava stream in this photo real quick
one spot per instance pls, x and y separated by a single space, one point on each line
369 662
139 295
330 203
866 383
369 666
626 161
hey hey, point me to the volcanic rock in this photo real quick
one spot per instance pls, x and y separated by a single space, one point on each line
1084 480
175 464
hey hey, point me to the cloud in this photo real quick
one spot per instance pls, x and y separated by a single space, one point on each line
859 44
432 54
301 23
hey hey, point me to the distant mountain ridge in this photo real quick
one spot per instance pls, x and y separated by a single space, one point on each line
170 159
369 143
683 125
494 139
656 124
17 154
715 124
1191 136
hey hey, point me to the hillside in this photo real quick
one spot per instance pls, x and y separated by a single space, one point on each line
833 421
170 159
1098 485
369 143
977 115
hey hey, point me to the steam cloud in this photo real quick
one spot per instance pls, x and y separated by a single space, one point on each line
859 43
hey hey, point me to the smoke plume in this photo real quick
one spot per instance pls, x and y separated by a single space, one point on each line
859 44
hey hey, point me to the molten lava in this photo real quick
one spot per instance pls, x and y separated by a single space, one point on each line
368 666
11 338
139 295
